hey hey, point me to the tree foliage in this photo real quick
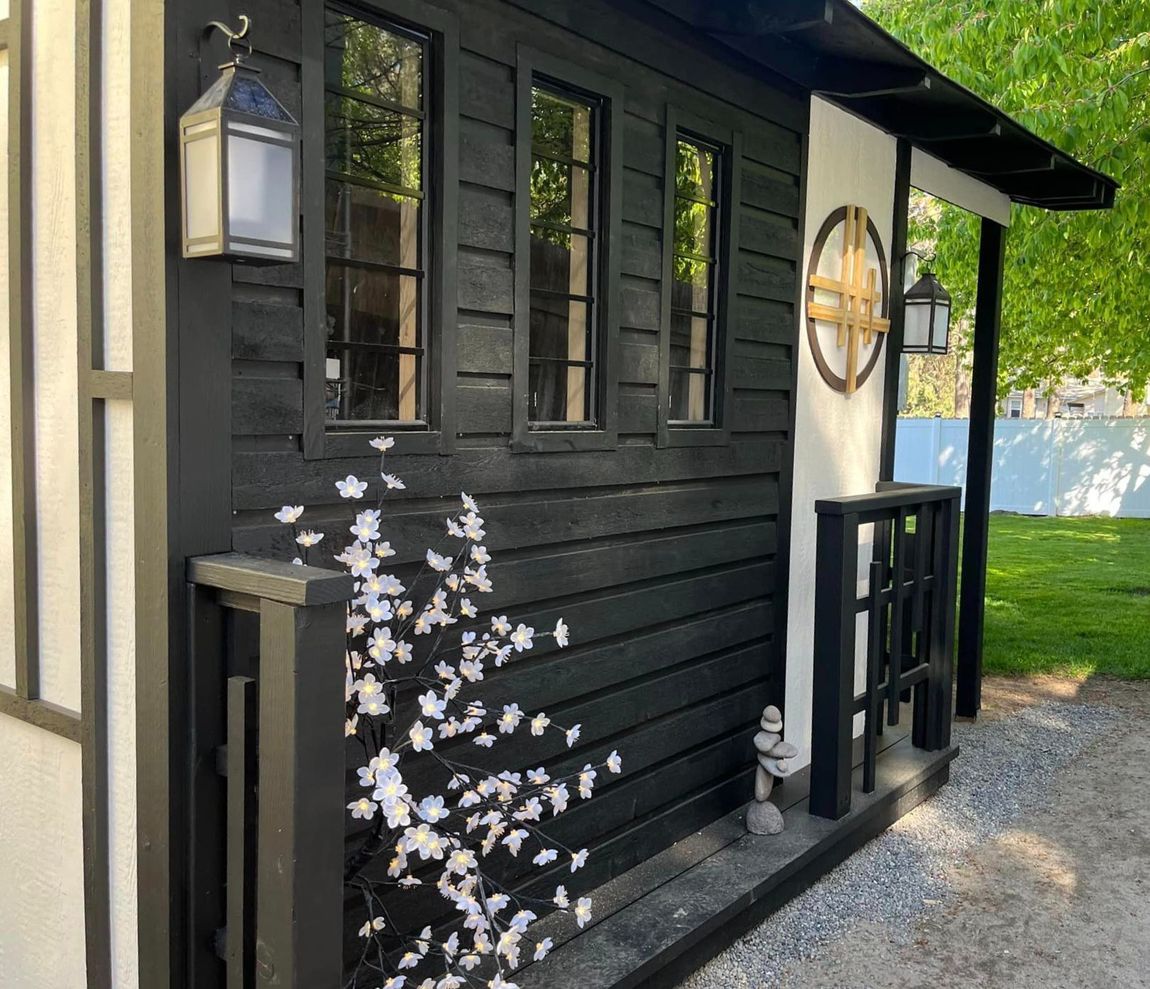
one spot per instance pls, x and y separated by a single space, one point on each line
1076 72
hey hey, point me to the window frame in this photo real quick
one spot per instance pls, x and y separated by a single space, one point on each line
727 142
436 433
563 76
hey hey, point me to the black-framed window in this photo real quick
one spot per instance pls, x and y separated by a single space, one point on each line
697 218
377 242
565 225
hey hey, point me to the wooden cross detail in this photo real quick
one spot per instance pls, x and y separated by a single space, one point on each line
858 311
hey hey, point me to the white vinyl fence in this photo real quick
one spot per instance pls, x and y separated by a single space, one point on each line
1041 467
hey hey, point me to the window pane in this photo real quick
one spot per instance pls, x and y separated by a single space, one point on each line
370 225
368 384
374 61
559 392
374 144
375 307
694 228
691 288
560 193
560 262
690 396
694 171
562 199
690 341
695 267
560 125
374 215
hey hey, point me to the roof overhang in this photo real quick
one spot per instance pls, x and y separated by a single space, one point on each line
833 49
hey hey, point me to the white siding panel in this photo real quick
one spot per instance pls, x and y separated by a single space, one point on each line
54 348
41 855
7 596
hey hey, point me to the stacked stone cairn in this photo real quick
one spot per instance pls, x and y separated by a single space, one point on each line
763 817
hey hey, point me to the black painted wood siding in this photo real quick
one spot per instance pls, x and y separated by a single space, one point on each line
663 561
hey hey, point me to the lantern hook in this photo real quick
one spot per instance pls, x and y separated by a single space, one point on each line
238 41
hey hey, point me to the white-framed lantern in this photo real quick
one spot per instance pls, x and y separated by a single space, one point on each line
239 169
926 327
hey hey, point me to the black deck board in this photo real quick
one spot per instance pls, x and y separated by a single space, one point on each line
659 935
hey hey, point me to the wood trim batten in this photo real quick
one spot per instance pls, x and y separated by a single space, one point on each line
898 242
43 714
153 48
91 466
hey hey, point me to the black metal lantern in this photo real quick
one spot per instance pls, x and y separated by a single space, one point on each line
239 167
926 327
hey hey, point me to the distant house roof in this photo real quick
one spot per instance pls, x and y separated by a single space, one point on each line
833 49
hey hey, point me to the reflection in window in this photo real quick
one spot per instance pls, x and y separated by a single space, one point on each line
564 226
375 221
693 288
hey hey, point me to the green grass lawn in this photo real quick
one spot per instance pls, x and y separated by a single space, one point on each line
1068 596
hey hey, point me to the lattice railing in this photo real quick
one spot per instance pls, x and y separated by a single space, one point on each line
909 604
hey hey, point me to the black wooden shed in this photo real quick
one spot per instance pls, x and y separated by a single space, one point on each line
564 254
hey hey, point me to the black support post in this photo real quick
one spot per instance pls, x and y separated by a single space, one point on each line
836 599
980 458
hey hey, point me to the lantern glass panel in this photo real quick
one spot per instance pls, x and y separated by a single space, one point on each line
260 190
916 330
941 326
202 185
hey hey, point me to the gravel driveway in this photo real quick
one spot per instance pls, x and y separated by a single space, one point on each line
1030 869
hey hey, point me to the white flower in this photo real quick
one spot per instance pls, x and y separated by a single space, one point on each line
363 808
545 857
369 926
586 782
480 555
510 718
437 562
500 983
373 706
583 911
455 529
539 723
391 586
382 443
461 861
497 901
560 633
366 528
473 526
409 959
423 840
467 608
368 686
290 514
402 652
578 859
381 646
573 734
393 482
398 814
351 487
468 502
396 982
420 738
431 706
521 637
514 840
309 538
383 550
614 762
378 609
485 740
500 625
560 899
541 949
538 776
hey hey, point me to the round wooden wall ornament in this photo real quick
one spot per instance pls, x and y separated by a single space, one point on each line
847 290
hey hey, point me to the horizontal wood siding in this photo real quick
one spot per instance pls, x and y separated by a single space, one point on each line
662 560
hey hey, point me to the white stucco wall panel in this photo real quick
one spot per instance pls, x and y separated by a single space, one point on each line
41 859
7 596
54 385
837 436
116 123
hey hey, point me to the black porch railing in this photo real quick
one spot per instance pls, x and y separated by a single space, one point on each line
910 609
266 773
